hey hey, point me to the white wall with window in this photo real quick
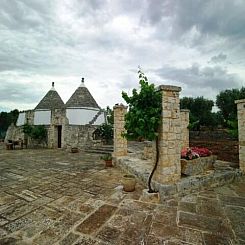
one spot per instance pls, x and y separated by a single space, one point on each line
42 117
21 119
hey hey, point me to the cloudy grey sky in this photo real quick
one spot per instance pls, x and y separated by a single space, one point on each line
198 45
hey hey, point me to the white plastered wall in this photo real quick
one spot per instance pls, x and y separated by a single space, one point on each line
100 120
42 117
21 119
80 116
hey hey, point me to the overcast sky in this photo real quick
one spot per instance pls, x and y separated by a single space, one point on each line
196 44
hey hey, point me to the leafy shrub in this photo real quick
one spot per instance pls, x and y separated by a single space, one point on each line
38 132
233 128
105 132
144 115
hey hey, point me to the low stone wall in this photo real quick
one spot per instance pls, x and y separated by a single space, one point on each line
221 174
219 134
14 133
197 166
78 135
191 184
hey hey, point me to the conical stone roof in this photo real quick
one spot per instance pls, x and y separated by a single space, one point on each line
50 101
81 98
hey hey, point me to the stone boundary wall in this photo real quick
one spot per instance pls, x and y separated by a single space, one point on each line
78 135
219 134
219 142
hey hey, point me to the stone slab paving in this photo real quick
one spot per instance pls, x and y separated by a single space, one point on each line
56 197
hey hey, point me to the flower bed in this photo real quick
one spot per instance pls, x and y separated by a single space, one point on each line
195 152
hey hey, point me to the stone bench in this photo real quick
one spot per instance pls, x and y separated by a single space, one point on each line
9 146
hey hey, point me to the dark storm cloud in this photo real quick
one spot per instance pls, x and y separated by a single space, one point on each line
218 58
195 77
15 92
23 14
217 17
158 11
210 19
106 40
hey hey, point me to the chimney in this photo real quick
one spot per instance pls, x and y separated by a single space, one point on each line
82 83
52 84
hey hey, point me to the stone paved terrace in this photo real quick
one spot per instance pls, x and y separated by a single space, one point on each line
55 197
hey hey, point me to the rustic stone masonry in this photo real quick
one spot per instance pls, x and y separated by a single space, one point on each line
78 136
241 132
184 117
58 118
71 135
14 132
29 117
149 150
169 168
120 143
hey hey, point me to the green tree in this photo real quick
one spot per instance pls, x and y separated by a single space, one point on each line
144 115
110 115
6 118
39 133
225 101
200 111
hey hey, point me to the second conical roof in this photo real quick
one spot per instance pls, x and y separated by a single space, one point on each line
82 98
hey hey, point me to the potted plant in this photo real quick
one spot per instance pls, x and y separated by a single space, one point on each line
128 182
74 150
107 159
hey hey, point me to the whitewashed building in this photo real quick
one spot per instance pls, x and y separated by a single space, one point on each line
68 125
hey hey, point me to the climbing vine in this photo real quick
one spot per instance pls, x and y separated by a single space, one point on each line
144 115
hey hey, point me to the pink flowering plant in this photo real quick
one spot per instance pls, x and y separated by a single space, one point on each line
190 153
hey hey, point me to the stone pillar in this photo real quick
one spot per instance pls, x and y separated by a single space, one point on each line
241 132
169 167
51 136
120 143
184 118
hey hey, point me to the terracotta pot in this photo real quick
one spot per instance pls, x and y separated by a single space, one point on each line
108 163
129 183
74 150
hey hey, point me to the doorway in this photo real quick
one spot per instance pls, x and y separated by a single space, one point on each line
59 135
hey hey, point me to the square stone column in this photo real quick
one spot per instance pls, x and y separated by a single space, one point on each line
184 118
120 143
169 167
241 132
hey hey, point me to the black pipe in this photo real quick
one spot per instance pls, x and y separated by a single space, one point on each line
154 169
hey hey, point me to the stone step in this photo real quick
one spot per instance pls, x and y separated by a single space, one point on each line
104 149
101 151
